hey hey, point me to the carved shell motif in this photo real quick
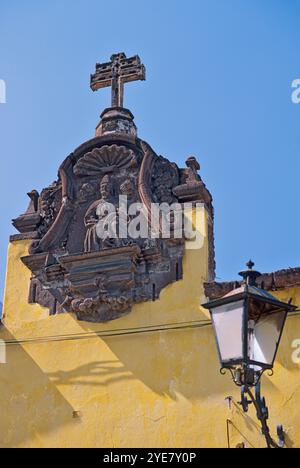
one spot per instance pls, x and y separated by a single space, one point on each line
105 159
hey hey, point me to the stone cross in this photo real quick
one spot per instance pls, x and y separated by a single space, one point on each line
115 73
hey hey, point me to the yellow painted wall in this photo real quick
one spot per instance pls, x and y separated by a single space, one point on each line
154 389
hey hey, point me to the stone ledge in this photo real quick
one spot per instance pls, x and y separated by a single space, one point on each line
24 236
282 279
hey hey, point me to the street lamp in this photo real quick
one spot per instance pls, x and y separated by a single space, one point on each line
248 323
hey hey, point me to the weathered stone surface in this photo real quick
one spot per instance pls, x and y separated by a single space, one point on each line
116 120
115 73
282 279
61 259
30 220
73 269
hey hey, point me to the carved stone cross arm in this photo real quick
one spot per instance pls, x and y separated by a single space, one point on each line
115 73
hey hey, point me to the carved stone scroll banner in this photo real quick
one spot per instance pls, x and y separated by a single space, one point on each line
101 279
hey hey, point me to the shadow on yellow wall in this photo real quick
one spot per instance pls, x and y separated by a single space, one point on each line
28 398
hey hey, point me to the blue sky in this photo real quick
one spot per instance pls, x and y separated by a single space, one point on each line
219 76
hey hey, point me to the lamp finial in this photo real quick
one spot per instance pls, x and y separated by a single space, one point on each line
250 276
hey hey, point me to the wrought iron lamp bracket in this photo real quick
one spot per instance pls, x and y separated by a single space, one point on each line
262 412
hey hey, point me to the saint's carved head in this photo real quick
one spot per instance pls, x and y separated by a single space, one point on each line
105 187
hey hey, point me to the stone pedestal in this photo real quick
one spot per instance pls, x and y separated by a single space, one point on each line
116 120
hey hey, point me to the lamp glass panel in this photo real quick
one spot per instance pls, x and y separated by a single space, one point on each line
228 324
264 337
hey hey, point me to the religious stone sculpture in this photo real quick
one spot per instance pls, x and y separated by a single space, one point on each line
93 241
74 269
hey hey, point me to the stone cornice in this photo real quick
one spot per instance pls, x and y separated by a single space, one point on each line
282 279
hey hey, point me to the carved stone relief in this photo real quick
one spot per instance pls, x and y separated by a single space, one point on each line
73 270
